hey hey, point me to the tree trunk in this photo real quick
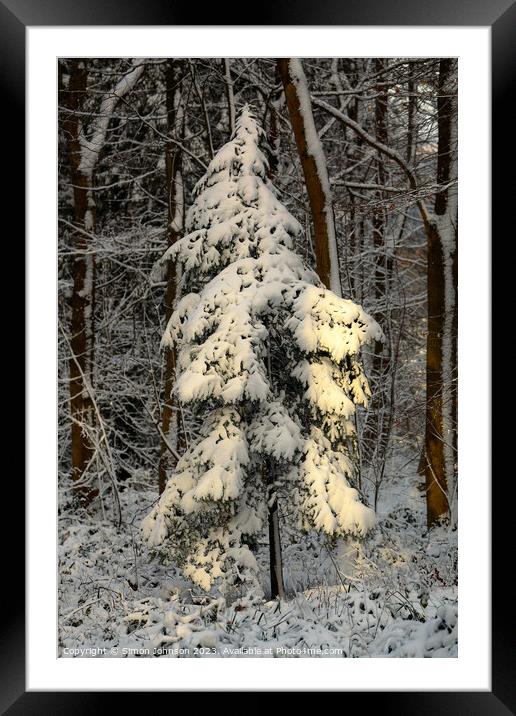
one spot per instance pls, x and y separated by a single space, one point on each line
380 275
411 111
275 557
273 135
441 373
230 96
171 420
268 477
375 437
314 170
83 294
435 475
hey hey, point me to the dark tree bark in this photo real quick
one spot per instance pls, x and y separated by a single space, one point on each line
435 475
276 561
376 429
411 110
441 371
275 557
230 96
379 217
320 203
171 419
83 294
273 135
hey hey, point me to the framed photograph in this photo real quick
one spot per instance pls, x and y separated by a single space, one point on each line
258 353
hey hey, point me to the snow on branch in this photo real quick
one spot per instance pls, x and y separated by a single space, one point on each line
373 142
90 148
269 360
315 171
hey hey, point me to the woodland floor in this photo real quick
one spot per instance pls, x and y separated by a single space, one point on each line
401 600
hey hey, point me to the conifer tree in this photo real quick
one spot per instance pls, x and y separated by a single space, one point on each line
269 359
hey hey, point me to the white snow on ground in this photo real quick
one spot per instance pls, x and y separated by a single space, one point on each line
400 602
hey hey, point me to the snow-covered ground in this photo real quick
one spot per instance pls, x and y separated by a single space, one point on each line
400 600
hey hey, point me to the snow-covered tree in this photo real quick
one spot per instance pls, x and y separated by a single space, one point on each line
269 359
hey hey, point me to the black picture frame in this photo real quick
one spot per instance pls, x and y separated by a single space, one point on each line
500 15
